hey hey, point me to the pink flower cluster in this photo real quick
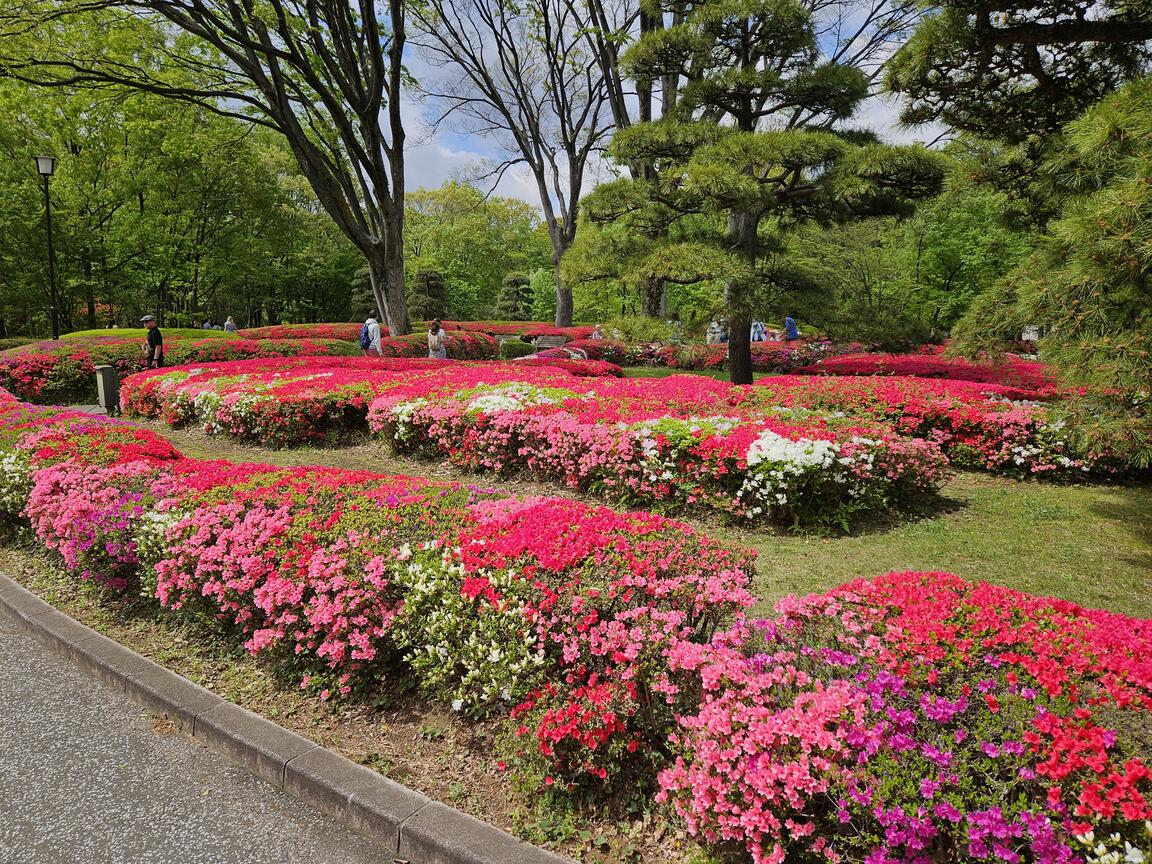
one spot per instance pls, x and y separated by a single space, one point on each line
917 717
1010 372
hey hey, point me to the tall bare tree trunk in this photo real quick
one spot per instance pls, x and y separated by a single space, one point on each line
742 236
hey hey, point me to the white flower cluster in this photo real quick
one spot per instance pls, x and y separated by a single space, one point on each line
402 414
488 652
513 396
15 482
778 466
681 433
150 537
1113 849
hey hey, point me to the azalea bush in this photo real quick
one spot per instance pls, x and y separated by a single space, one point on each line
990 426
63 371
671 442
920 718
290 401
1010 371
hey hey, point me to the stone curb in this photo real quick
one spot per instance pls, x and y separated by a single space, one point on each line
407 824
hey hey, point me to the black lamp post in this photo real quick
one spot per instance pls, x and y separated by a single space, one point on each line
46 165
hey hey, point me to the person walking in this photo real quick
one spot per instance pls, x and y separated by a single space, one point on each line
229 325
436 341
154 345
370 336
759 332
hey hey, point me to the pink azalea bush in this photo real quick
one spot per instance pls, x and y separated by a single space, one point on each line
350 332
766 356
989 426
672 442
919 718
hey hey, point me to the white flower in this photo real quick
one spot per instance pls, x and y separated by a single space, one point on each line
457 704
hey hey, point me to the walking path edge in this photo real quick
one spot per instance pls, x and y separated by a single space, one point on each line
411 825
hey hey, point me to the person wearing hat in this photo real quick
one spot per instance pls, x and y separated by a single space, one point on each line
154 347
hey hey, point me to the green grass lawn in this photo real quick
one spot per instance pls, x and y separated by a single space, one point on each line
120 332
1090 544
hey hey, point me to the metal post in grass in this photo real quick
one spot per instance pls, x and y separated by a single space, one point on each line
46 165
108 388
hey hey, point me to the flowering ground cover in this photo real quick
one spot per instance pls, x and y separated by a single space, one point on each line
64 371
989 426
1010 372
673 442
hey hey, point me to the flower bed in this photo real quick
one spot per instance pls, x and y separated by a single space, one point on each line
64 371
557 612
1012 372
675 442
920 718
981 425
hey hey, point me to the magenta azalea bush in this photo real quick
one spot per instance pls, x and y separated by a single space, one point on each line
920 718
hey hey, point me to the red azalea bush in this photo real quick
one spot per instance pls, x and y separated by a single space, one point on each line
64 370
351 332
579 368
920 718
766 356
1010 372
344 332
983 425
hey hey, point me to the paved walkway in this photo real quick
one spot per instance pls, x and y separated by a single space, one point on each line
84 779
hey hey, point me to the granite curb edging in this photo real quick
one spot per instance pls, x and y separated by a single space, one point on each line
407 824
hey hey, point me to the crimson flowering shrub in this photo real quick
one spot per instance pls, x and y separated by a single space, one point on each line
64 370
345 332
982 425
1010 372
920 718
579 368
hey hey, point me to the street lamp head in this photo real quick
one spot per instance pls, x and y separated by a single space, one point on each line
46 165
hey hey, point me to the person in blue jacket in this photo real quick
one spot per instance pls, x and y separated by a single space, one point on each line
791 331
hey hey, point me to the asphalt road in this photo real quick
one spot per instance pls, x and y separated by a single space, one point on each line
86 779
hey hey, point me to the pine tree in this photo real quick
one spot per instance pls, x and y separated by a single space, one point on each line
731 149
515 301
426 295
1090 284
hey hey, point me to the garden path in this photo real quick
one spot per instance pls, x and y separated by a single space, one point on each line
87 777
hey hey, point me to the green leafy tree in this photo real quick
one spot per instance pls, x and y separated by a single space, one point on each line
1089 284
723 154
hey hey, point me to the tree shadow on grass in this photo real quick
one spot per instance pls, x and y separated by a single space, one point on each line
1133 512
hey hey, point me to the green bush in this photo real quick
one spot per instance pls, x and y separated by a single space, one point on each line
141 331
510 349
639 328
14 342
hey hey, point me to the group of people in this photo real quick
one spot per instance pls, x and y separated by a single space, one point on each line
228 326
717 332
370 335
